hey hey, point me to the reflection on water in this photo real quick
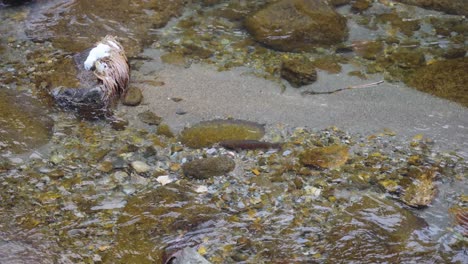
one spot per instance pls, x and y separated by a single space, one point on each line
82 201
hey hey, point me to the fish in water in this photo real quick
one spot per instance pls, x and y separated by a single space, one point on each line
248 144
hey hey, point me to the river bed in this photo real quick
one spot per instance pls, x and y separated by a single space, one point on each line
72 190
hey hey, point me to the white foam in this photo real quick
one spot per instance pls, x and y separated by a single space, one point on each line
100 51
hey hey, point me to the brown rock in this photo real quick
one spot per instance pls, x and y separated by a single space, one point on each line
208 167
133 96
421 191
325 157
149 118
457 7
296 25
298 72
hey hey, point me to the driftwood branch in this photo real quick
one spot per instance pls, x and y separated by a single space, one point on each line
342 89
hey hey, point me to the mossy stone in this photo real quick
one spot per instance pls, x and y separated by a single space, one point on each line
447 79
457 7
361 5
207 133
133 96
328 157
298 72
208 167
296 25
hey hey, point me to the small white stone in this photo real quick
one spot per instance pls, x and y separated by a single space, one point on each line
201 189
140 166
164 179
287 153
211 151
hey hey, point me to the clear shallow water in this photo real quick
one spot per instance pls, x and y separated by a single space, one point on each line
79 199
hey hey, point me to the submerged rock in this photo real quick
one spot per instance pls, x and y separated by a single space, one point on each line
24 123
208 167
447 79
375 230
325 157
187 255
457 7
56 21
421 191
150 118
133 97
205 134
148 219
248 144
298 72
295 25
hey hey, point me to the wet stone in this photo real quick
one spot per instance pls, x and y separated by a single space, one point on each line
325 157
24 122
298 72
133 96
207 133
294 25
150 118
421 191
140 166
164 130
208 167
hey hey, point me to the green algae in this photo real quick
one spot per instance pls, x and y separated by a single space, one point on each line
151 218
23 121
447 79
208 133
372 221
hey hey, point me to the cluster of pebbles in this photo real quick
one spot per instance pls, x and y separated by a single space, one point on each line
101 194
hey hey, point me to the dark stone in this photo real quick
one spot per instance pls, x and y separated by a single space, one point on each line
457 7
150 118
339 2
361 5
297 25
24 122
298 72
208 167
133 97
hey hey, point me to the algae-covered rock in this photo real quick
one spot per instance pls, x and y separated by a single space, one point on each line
24 123
132 97
298 72
457 7
207 133
208 167
153 221
368 49
421 191
150 118
361 5
447 79
408 58
372 230
339 2
294 25
325 157
57 21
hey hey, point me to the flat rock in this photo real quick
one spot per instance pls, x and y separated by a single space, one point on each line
296 25
298 72
133 97
208 167
325 157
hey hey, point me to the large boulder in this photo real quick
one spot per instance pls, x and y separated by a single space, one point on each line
457 7
297 25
